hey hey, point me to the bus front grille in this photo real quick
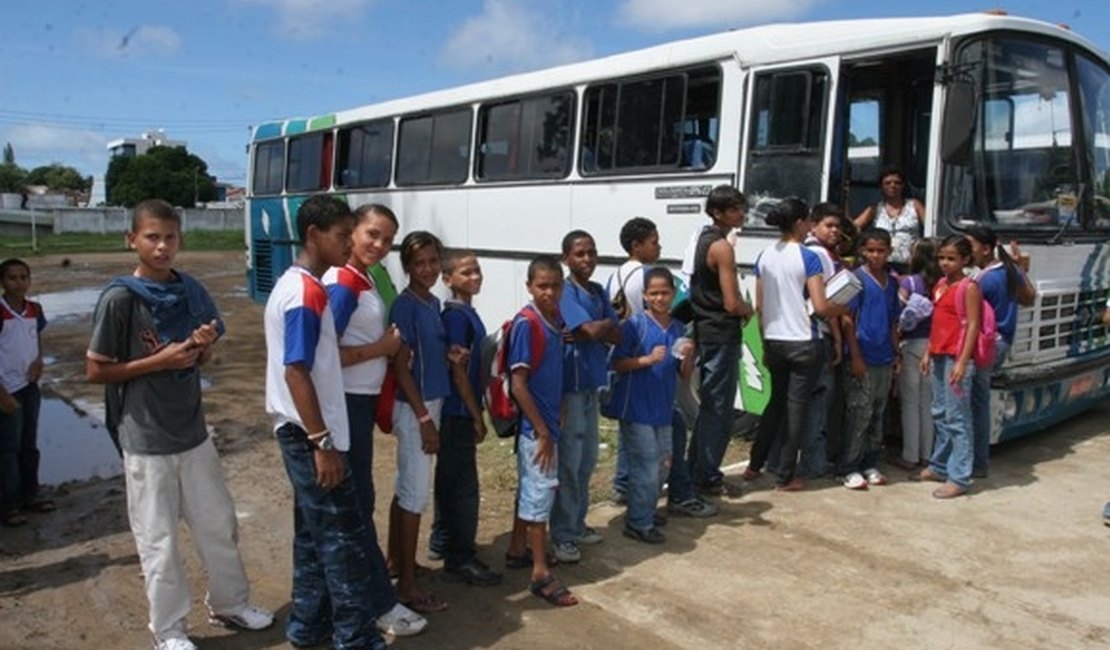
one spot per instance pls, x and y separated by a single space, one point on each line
1060 324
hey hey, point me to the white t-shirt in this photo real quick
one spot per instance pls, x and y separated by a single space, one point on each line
19 342
360 318
783 268
630 275
300 328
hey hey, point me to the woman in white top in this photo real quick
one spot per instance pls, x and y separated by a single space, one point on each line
787 274
896 214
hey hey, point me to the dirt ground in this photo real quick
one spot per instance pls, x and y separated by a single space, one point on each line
1022 563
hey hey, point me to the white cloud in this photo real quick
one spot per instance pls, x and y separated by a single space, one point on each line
661 15
140 42
41 144
304 20
509 36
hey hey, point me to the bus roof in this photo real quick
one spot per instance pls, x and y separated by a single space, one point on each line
762 45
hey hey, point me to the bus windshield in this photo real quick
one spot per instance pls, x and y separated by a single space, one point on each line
1032 166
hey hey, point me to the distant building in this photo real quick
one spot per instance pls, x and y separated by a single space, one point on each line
140 145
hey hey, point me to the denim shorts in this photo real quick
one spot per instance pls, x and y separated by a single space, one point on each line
535 493
414 467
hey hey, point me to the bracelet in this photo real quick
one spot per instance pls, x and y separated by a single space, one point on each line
424 419
318 435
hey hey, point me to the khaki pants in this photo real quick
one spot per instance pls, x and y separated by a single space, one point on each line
160 491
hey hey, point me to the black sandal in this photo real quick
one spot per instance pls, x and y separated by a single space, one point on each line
45 505
13 518
558 595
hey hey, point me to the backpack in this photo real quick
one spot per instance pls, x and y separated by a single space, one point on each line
503 410
619 300
983 354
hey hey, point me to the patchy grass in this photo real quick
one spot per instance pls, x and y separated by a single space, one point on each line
198 240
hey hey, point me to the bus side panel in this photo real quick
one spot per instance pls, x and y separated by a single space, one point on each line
270 244
520 219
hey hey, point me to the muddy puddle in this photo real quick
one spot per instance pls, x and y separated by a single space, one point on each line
74 446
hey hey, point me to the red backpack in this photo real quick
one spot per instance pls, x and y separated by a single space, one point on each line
983 354
503 409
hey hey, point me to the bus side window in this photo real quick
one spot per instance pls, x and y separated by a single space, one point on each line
269 164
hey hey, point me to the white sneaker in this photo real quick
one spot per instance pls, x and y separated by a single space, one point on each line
401 621
251 617
568 552
590 537
173 643
874 477
855 481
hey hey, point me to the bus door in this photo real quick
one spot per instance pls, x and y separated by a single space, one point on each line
789 134
883 117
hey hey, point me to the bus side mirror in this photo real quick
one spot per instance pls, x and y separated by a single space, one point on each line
959 123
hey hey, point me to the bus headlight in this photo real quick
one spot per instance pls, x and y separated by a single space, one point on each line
1029 404
1010 409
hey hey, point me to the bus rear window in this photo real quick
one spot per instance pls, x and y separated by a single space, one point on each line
434 149
658 124
365 155
309 163
269 163
525 138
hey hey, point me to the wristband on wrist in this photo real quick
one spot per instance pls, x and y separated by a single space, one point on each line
318 434
424 419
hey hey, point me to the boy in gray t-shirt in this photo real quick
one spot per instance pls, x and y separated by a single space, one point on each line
151 332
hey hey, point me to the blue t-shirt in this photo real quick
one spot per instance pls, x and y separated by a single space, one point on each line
585 362
464 328
996 290
646 396
875 310
421 328
546 383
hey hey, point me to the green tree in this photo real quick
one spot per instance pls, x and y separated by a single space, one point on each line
59 177
9 154
169 173
12 177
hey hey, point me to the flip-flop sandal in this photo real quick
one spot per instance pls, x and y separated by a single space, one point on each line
46 505
553 592
429 603
524 561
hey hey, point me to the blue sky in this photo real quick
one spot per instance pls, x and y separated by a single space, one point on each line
76 74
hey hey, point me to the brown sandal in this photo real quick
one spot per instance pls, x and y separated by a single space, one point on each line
948 491
551 590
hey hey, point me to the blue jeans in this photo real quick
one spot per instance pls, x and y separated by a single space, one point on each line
620 474
952 449
577 451
793 366
456 490
331 571
981 407
679 486
19 451
649 453
814 458
360 456
718 364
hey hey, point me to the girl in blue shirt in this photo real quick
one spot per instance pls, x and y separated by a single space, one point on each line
422 376
1005 286
650 356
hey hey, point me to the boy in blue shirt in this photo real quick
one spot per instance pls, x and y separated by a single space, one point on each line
871 332
651 354
591 322
462 427
537 387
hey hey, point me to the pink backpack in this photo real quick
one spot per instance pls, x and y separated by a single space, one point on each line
983 355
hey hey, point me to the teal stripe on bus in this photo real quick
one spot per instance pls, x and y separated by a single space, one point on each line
267 131
293 127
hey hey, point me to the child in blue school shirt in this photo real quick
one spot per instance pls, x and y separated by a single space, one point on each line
871 333
462 427
591 322
649 363
538 390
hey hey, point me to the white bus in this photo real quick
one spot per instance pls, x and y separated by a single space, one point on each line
993 119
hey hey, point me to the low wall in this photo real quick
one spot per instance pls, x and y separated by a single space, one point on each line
118 220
